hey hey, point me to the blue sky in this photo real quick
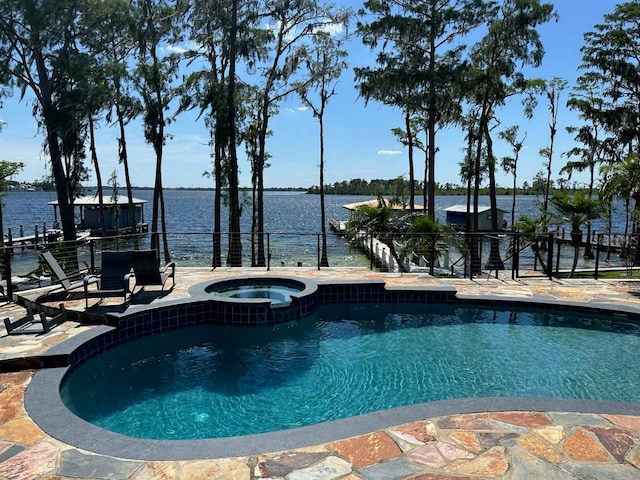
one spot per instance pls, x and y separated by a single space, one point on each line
358 139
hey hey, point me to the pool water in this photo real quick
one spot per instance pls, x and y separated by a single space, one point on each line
278 293
345 360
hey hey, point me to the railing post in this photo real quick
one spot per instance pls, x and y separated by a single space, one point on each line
550 255
598 244
268 252
432 260
92 259
466 262
7 273
371 252
318 250
515 266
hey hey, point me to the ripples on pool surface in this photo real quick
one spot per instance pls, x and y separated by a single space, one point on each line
345 360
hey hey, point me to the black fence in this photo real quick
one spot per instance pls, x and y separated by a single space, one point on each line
463 255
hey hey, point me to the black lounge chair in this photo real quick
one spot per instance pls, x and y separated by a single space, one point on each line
147 271
35 324
68 282
114 277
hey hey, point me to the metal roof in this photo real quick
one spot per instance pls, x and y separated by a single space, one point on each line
94 201
463 209
387 202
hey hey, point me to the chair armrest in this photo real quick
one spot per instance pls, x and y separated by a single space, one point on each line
127 281
170 265
89 279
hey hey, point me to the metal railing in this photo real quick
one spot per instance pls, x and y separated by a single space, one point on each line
438 254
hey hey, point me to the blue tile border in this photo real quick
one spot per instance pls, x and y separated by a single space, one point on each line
140 321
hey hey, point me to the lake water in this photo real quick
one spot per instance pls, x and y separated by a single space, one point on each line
291 212
292 218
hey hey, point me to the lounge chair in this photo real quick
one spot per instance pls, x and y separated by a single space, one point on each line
35 324
147 271
114 277
67 282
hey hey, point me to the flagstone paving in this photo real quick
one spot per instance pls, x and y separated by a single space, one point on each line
498 445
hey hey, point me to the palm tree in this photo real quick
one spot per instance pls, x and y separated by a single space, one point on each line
623 179
430 238
578 210
532 231
510 164
381 222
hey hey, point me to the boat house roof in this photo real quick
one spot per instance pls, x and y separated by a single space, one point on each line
463 209
387 202
108 200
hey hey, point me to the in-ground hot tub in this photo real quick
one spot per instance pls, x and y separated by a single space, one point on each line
277 290
258 300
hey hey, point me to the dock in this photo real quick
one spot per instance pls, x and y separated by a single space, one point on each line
614 243
339 227
380 253
39 237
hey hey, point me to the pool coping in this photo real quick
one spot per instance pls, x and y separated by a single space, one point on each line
199 291
44 405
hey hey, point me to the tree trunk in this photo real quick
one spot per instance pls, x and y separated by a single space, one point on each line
495 260
324 260
124 160
234 257
217 196
261 258
67 217
536 251
165 241
412 187
636 230
474 251
576 240
425 199
96 166
431 128
513 200
254 214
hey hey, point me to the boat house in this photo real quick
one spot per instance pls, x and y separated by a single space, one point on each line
456 216
116 214
339 226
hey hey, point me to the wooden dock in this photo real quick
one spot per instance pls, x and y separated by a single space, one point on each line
339 227
29 241
613 243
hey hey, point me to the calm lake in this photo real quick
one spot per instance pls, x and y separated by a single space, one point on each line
292 219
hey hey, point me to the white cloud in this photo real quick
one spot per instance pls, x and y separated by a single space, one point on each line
389 152
332 29
175 49
301 108
182 48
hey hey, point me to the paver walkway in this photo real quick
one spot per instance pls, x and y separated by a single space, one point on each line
499 445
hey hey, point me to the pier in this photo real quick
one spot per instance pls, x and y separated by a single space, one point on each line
29 241
339 227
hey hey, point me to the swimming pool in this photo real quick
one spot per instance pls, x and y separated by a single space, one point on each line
346 360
